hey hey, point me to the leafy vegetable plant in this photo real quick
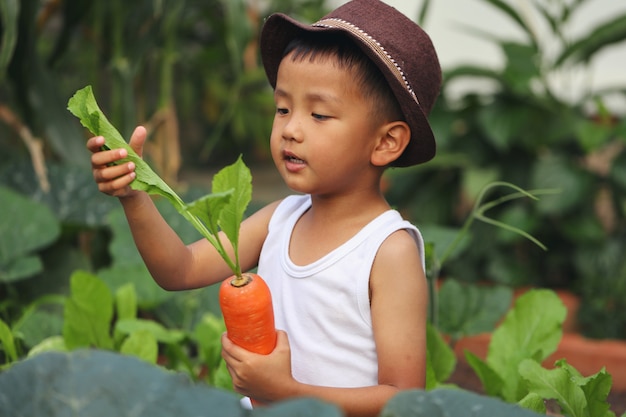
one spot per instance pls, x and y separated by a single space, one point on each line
223 208
245 299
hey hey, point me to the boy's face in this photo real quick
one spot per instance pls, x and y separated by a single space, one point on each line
324 131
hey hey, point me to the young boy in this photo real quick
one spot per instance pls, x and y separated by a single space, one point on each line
352 92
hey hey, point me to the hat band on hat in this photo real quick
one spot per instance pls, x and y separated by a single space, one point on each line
374 46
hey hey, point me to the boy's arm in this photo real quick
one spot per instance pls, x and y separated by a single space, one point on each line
399 306
172 264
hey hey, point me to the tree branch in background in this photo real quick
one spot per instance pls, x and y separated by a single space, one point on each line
34 145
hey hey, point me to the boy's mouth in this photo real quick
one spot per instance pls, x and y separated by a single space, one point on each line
289 157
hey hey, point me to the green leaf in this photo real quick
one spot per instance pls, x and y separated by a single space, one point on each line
126 302
492 382
8 342
160 333
237 177
557 172
596 387
466 309
84 106
533 402
555 384
40 319
208 207
450 403
207 334
441 358
521 67
88 313
149 294
603 35
98 383
9 15
141 344
25 226
74 199
531 330
50 344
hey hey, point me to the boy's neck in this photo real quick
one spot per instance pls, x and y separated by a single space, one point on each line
358 206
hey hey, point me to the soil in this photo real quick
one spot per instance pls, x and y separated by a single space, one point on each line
465 377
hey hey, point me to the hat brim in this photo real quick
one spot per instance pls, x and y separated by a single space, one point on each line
279 29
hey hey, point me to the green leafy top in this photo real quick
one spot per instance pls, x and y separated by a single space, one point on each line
223 209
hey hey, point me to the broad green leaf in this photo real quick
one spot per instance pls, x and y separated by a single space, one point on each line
520 67
141 344
207 334
441 358
84 106
555 384
88 313
125 307
98 383
50 344
126 302
492 382
450 403
8 342
531 330
466 309
592 136
206 208
160 333
38 325
21 268
236 177
534 402
558 173
74 198
596 387
221 377
149 294
25 226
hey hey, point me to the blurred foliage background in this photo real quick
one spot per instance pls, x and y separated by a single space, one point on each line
190 71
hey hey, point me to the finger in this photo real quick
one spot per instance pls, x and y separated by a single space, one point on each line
137 139
113 172
95 144
105 158
119 187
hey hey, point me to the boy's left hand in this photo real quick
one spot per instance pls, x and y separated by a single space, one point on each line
265 378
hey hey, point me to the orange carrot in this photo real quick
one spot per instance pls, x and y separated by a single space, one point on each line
246 305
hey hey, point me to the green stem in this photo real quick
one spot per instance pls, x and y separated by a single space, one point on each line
213 240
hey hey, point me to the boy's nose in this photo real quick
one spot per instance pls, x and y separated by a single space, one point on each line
292 130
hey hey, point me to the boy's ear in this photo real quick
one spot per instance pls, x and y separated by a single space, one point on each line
394 138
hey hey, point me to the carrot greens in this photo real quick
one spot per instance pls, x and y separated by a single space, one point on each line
222 209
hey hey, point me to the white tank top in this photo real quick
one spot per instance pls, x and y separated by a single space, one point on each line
324 306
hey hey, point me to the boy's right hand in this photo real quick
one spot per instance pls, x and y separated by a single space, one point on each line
113 179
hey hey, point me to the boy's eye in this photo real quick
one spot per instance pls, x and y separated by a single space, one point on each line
282 111
319 116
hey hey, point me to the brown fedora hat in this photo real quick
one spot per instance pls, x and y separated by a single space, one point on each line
397 45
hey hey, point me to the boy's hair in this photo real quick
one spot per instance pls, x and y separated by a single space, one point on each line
346 54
